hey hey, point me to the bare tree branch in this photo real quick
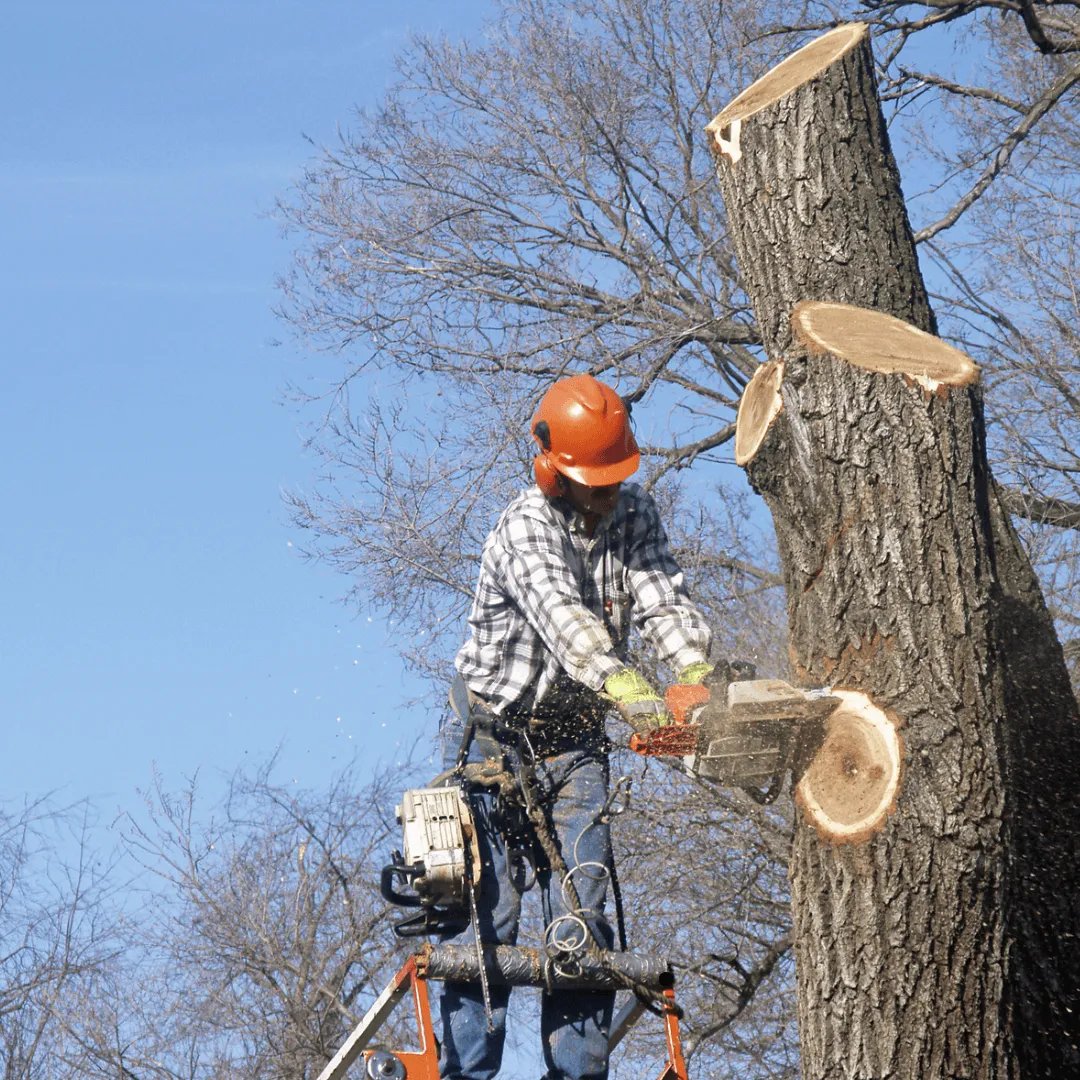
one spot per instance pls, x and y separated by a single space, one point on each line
1042 105
1042 510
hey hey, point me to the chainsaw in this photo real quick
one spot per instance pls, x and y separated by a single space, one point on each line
739 730
440 859
440 862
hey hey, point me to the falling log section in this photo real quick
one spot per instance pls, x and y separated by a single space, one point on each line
939 934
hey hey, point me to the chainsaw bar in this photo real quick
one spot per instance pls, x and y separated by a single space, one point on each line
740 733
675 740
474 916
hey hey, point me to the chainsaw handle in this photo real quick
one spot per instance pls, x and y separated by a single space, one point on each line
386 884
682 698
742 671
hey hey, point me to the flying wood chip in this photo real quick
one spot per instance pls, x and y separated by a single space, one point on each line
851 785
799 68
878 342
759 406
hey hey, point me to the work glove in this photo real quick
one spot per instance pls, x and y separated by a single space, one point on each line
695 674
638 702
702 673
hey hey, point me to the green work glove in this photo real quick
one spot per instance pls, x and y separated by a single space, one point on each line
638 702
695 674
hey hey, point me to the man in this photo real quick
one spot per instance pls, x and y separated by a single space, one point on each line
571 566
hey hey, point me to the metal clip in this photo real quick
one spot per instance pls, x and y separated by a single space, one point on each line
610 809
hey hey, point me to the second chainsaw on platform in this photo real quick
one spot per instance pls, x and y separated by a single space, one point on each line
439 861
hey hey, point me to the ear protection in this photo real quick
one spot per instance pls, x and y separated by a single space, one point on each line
548 479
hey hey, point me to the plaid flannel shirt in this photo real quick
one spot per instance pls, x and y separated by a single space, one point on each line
551 600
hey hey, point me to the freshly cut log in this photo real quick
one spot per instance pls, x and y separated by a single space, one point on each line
879 342
852 782
759 406
941 938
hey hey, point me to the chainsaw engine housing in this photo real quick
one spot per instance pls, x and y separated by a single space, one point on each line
439 860
747 734
437 825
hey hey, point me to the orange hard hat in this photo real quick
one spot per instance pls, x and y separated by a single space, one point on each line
583 428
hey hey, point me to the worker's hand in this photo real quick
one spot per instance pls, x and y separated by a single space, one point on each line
702 673
695 674
635 698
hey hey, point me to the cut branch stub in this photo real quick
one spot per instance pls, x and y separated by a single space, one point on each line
850 786
795 71
878 342
759 406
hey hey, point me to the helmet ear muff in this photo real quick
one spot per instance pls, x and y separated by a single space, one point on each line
548 479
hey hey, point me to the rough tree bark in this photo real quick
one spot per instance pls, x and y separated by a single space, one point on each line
945 940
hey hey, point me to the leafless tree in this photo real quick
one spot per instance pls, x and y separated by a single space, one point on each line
260 940
891 527
57 928
540 202
536 205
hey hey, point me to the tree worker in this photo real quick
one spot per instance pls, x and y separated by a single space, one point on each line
571 566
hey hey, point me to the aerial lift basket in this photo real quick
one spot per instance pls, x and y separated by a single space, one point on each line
517 966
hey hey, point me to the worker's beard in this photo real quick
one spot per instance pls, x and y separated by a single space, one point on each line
601 501
593 502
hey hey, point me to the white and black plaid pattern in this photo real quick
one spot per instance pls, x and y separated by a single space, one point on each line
550 600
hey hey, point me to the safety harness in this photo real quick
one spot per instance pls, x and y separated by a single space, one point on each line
519 787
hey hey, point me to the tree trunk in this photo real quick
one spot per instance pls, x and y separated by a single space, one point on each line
945 940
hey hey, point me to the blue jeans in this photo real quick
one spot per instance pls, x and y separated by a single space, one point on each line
574 1024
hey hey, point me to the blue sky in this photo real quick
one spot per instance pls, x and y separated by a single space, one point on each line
151 608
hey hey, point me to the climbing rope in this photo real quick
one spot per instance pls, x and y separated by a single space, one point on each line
564 952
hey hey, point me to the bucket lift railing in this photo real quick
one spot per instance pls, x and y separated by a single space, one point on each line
510 965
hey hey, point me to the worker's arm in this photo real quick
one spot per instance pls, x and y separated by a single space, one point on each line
663 611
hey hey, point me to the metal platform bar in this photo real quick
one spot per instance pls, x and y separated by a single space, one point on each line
422 1065
526 967
628 1016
